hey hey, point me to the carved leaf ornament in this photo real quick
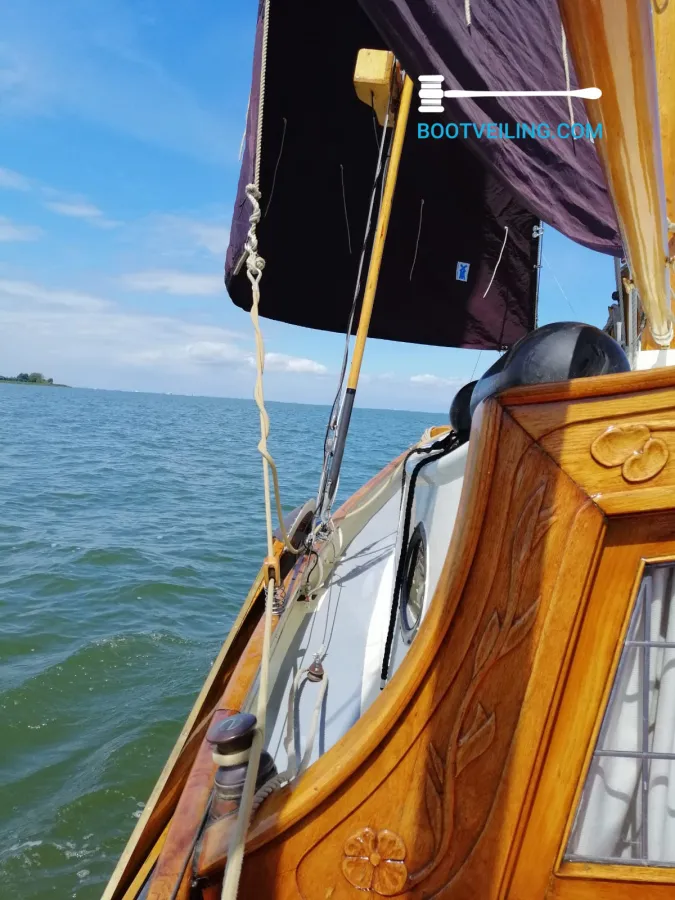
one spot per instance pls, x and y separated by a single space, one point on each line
632 447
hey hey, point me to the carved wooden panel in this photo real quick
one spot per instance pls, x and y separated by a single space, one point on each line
439 807
620 450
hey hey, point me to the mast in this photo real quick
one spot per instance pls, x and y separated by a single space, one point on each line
663 19
369 295
612 45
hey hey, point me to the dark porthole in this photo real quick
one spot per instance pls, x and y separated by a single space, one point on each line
414 584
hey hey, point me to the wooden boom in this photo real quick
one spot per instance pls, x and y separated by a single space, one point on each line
612 46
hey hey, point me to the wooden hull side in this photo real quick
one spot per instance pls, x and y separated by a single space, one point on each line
462 779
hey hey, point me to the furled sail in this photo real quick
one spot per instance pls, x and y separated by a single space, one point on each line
459 267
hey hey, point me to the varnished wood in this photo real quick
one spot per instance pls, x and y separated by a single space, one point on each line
612 45
610 386
592 889
629 542
141 876
663 20
619 449
380 233
602 872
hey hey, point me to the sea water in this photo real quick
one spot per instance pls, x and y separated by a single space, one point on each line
131 528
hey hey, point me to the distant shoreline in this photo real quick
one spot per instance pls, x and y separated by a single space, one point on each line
32 383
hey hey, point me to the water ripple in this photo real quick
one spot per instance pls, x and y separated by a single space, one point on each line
131 528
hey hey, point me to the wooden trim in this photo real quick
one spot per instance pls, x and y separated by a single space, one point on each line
603 872
591 388
602 707
619 449
596 889
630 544
141 876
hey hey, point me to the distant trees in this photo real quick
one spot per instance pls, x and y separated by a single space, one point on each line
26 378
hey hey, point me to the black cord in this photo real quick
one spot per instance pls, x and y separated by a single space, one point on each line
445 445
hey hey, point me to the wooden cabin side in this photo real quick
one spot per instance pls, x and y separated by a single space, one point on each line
463 779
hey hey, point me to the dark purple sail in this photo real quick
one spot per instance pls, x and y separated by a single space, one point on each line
460 203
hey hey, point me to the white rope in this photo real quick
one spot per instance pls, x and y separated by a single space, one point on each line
254 269
501 253
467 12
292 768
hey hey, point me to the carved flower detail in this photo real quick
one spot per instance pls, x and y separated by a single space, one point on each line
632 447
373 861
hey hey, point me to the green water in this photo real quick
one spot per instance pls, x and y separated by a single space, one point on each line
131 527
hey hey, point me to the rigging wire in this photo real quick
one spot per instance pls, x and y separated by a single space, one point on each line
560 288
335 409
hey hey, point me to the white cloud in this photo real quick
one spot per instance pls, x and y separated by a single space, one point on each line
80 209
80 338
55 200
433 380
213 238
10 231
171 281
174 236
280 362
73 300
13 181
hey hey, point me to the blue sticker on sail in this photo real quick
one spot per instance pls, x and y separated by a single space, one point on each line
462 271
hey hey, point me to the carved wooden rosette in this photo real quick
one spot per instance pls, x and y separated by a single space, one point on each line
461 780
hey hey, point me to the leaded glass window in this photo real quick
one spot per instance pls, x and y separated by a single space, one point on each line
627 808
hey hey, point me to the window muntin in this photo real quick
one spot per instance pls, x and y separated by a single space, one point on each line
627 808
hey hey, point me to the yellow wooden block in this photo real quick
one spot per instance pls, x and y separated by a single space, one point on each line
372 79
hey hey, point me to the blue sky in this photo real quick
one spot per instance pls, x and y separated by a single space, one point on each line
120 123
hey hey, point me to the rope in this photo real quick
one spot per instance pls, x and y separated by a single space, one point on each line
467 12
292 768
254 269
446 445
261 101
